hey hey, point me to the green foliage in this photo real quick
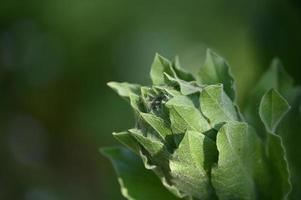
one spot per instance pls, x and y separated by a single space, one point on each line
191 141
272 109
135 181
276 83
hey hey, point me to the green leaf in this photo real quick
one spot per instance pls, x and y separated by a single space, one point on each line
130 92
127 140
188 165
156 149
181 73
159 66
278 168
275 77
216 105
216 70
136 103
186 88
190 136
232 177
168 90
155 157
158 171
149 142
158 124
272 109
185 116
135 181
124 89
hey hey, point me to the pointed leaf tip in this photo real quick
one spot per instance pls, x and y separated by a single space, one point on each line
159 66
272 109
282 80
216 70
275 77
180 72
124 89
127 140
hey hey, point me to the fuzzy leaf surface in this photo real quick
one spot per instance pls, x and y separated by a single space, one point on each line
232 178
190 163
216 105
185 116
216 70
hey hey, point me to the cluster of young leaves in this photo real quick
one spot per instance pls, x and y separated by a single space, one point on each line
192 142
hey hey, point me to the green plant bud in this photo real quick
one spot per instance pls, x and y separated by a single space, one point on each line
190 140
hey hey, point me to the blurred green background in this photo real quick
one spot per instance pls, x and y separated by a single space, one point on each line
56 57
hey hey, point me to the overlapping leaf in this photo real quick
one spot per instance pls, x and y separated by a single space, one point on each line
195 140
272 109
216 105
274 78
184 116
232 178
189 165
279 174
216 70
